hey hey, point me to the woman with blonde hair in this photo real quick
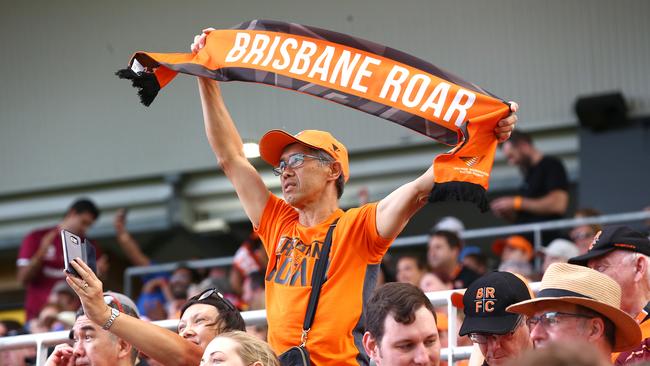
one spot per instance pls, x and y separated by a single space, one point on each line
238 348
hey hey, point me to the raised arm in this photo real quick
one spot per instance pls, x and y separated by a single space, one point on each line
396 209
227 145
158 343
128 244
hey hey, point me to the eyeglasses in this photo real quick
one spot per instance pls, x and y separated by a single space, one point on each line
551 319
294 161
482 338
216 295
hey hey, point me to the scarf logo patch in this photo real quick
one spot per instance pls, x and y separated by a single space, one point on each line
470 161
595 241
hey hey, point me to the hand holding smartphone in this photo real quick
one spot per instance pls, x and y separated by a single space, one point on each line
75 247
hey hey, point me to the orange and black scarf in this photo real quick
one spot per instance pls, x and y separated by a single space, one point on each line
354 72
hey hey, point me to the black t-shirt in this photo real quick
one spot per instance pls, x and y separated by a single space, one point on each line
464 278
548 175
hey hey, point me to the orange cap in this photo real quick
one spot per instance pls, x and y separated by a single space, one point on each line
515 241
273 143
457 298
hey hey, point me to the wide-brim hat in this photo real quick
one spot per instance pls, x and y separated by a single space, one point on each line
273 143
568 283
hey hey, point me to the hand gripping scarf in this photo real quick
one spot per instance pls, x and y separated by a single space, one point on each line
357 73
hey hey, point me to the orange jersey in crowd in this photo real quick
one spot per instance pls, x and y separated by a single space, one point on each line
642 352
357 249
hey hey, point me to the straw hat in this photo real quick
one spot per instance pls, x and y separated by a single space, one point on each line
583 286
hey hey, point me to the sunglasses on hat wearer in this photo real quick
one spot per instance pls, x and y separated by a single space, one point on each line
213 293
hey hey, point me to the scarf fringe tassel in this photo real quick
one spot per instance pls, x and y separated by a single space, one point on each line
145 82
460 191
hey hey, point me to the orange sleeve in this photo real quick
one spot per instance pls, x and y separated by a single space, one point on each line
277 214
363 232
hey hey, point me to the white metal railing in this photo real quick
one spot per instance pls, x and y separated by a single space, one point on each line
451 353
535 228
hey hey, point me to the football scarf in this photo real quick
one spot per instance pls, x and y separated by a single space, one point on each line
354 72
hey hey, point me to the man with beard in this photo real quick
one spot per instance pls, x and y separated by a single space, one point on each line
179 285
543 195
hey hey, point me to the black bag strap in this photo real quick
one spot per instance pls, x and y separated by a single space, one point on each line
317 282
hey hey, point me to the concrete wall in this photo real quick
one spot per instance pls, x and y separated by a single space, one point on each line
66 120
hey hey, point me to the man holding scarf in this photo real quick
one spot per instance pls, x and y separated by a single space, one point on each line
313 168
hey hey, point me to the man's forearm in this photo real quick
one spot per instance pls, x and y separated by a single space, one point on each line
554 203
396 209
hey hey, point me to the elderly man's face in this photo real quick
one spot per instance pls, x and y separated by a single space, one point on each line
557 323
407 344
619 265
502 348
94 346
304 184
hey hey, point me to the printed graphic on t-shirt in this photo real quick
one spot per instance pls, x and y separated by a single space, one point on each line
294 262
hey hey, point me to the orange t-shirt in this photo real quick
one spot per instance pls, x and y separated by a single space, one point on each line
356 252
641 352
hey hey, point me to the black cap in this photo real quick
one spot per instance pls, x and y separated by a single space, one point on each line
614 238
486 300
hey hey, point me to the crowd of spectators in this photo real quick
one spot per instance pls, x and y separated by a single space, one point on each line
445 266
600 296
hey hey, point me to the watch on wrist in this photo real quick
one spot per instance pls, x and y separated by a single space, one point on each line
114 314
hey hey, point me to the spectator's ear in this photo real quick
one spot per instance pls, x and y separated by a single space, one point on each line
124 349
370 345
335 170
595 330
640 268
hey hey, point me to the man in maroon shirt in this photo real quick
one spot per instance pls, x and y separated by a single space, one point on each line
40 259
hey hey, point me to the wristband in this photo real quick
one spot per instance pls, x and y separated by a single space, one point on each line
516 203
114 314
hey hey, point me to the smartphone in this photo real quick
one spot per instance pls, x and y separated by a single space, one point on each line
76 247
